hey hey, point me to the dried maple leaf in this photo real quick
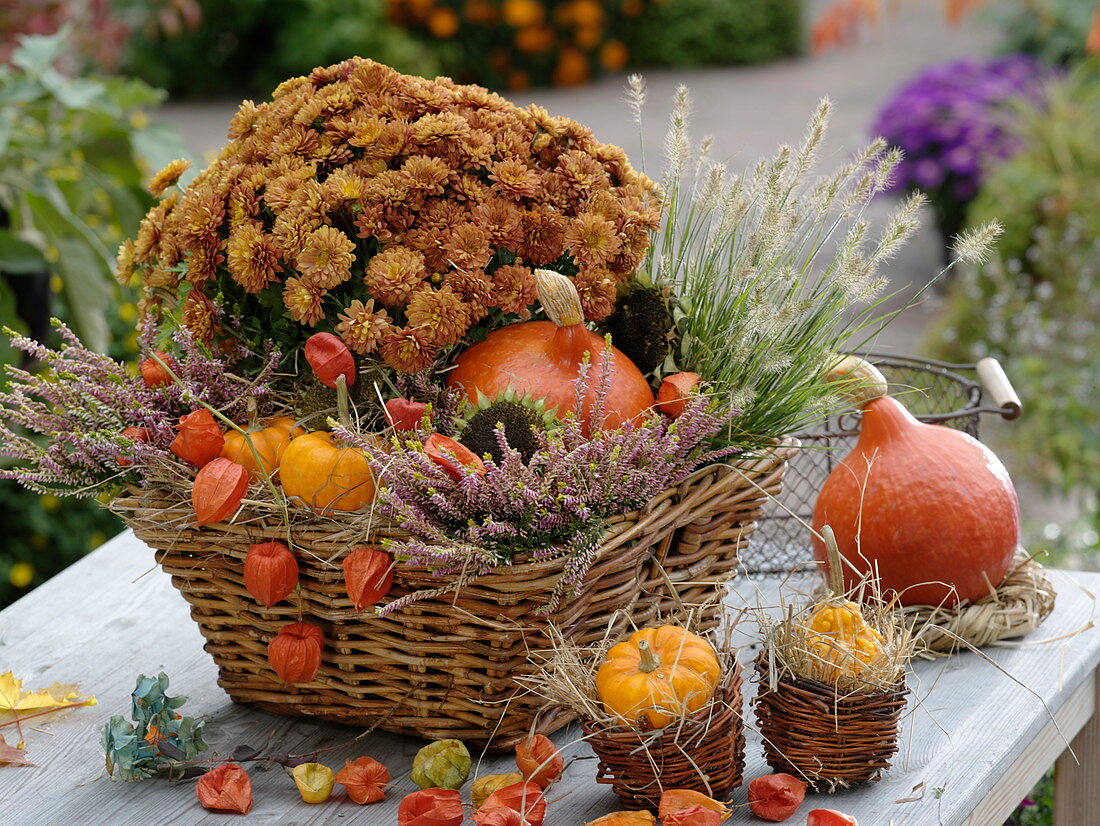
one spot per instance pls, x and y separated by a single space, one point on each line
18 704
11 755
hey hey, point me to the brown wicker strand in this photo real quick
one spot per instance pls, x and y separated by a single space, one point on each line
705 752
827 739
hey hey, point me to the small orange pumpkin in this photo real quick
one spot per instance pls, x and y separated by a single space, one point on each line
270 572
218 490
368 574
325 475
657 675
295 653
269 441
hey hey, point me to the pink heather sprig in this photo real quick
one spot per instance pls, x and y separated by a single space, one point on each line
553 505
63 423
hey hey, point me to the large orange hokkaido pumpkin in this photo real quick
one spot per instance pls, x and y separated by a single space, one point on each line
930 510
543 359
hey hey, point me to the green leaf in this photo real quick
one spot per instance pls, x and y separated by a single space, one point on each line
36 53
75 93
17 257
9 318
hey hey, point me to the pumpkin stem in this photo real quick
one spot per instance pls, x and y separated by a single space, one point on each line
559 298
649 661
832 554
860 382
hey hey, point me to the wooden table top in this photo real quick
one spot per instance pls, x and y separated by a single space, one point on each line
114 615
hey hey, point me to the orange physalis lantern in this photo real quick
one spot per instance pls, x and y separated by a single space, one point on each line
153 373
218 490
226 788
200 439
677 800
431 807
675 392
539 760
270 572
695 816
526 798
136 434
499 816
368 574
295 653
330 358
365 779
640 818
455 458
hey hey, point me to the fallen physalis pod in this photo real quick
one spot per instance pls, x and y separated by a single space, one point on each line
431 807
225 788
444 764
829 817
485 785
314 782
365 779
295 653
695 816
539 760
676 800
776 797
499 816
526 798
218 490
642 818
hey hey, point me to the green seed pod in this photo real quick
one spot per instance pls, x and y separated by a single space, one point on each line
444 764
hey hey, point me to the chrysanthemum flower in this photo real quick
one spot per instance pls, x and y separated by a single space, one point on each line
476 291
124 263
303 301
514 288
252 257
199 217
199 316
424 176
592 239
515 178
167 177
502 219
596 289
467 247
439 316
582 173
394 273
326 259
202 262
406 351
362 326
542 235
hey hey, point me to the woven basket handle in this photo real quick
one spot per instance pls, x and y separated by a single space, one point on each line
995 383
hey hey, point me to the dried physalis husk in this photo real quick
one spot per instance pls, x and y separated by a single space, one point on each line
368 575
676 800
444 764
539 760
431 807
695 816
295 653
526 798
485 785
200 438
270 572
499 816
314 782
218 490
642 818
365 779
225 788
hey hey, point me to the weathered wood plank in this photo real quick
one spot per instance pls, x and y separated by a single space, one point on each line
1077 776
111 616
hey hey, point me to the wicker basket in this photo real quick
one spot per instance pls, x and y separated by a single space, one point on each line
828 739
705 753
446 666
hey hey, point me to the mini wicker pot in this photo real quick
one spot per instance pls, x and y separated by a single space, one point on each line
706 752
828 739
446 666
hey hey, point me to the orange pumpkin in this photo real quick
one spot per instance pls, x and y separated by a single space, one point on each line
269 442
544 359
928 511
325 475
657 675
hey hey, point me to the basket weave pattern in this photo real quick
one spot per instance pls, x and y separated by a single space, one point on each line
825 738
444 666
706 752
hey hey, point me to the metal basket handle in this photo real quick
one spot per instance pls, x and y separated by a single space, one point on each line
995 383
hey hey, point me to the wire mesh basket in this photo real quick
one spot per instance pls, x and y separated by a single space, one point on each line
934 391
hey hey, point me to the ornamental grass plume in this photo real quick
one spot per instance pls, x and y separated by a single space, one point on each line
394 211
